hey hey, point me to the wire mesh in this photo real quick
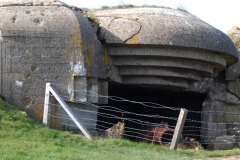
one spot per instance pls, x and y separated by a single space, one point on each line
139 126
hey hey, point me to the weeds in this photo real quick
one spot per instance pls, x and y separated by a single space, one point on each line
132 6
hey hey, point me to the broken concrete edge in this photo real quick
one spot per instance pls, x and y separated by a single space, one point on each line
215 90
92 19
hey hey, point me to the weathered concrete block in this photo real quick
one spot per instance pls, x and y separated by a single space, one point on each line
216 114
44 41
233 72
103 92
223 142
90 90
234 86
234 129
211 130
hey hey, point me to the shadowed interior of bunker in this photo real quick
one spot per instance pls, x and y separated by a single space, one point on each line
188 100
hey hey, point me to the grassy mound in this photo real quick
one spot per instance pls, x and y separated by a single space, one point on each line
23 138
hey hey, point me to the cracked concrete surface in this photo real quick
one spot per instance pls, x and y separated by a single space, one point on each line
167 27
119 30
147 37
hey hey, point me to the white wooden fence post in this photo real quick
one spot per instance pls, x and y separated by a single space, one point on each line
178 129
47 107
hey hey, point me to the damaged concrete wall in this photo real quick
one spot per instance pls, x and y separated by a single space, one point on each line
173 49
222 106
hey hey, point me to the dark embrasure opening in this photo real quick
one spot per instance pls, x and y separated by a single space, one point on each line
187 100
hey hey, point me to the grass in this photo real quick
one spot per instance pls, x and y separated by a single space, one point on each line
22 138
124 6
132 6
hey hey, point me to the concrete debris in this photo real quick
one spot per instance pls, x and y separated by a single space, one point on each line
234 130
116 131
223 142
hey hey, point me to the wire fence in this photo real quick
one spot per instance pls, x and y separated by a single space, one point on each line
140 121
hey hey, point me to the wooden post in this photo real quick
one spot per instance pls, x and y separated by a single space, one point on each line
178 129
70 113
47 107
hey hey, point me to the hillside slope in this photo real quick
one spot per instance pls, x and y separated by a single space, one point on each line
23 138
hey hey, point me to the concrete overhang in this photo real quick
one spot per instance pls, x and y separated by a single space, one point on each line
164 47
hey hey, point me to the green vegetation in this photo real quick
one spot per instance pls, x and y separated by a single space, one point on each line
234 36
123 6
132 6
22 138
181 8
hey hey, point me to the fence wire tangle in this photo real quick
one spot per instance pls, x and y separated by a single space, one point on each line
139 125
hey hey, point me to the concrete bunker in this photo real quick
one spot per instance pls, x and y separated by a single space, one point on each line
162 51
179 55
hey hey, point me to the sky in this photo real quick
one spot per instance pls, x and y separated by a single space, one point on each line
222 14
